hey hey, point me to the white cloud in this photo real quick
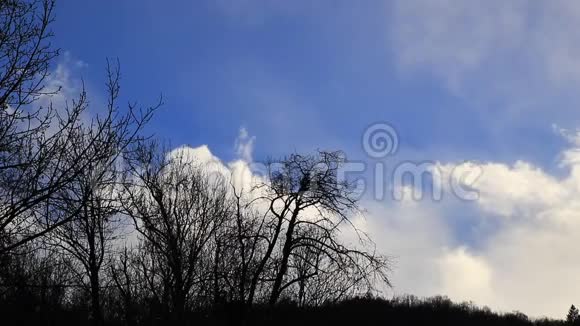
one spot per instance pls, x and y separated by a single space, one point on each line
527 263
517 190
244 145
466 276
241 173
64 82
415 236
532 257
63 87
508 49
454 38
526 53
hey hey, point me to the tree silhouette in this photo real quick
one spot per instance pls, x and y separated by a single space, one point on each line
572 316
43 149
177 208
311 204
89 236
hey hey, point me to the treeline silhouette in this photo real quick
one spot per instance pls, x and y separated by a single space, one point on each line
101 224
406 310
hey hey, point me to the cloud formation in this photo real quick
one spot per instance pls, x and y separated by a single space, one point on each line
517 51
524 58
244 145
526 263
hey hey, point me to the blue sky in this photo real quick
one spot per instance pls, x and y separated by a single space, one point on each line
490 81
297 76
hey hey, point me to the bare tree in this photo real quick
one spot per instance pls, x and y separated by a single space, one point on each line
129 283
177 208
241 242
283 238
309 205
43 150
25 54
91 197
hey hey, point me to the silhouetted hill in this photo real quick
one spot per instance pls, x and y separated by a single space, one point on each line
399 311
408 310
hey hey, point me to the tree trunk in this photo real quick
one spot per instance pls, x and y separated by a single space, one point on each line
96 300
275 294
